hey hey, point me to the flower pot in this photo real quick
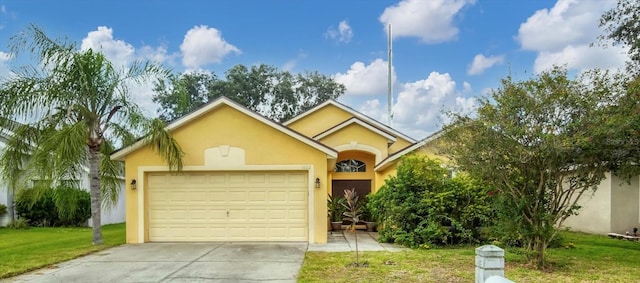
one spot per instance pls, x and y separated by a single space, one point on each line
336 226
371 226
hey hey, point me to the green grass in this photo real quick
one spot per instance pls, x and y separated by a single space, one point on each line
33 248
585 258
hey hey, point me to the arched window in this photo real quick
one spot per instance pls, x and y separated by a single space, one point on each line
351 165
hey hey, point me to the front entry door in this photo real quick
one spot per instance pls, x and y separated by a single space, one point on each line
363 187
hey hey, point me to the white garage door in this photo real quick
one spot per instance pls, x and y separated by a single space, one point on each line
228 206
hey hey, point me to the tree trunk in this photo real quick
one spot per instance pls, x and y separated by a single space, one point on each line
11 207
96 194
355 235
540 250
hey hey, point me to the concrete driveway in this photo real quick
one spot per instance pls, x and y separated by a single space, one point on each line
180 262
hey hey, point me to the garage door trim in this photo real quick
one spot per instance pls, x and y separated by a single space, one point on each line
142 170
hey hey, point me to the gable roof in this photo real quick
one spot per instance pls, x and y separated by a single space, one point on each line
355 113
358 121
223 101
394 157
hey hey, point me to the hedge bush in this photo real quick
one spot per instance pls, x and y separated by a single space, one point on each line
423 206
60 206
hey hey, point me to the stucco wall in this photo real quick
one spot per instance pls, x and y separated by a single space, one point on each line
624 204
595 215
320 120
382 176
398 145
355 136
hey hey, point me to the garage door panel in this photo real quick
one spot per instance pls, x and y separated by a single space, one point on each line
228 206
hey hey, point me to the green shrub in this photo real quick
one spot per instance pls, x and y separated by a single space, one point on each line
19 223
54 207
506 228
3 210
335 208
423 205
36 208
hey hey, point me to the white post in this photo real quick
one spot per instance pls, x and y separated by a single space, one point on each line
489 262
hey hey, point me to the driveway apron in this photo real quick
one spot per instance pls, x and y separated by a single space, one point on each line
180 262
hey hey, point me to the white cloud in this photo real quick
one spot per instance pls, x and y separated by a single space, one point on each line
156 54
465 104
419 102
203 45
4 57
142 95
119 52
481 63
363 79
562 35
417 110
4 68
291 64
568 22
344 33
431 21
582 57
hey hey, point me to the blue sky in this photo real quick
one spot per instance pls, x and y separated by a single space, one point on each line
446 52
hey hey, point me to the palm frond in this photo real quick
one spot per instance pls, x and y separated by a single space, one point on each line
164 144
110 177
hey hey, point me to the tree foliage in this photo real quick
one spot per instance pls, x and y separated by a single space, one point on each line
421 205
273 93
75 107
544 143
622 26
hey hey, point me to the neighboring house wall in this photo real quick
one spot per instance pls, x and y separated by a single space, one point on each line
110 215
613 207
4 196
625 198
595 214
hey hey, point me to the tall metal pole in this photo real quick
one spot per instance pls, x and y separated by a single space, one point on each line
390 82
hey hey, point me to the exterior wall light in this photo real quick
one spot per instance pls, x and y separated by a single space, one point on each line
317 183
133 184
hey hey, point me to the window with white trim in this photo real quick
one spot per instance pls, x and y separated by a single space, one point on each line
351 165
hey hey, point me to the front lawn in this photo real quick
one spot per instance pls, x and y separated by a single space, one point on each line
29 249
586 258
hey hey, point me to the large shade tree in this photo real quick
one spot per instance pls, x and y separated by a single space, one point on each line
74 107
545 143
279 95
622 26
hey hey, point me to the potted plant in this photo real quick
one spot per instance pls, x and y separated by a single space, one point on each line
368 214
335 211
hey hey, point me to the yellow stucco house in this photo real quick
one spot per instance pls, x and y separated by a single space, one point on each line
248 178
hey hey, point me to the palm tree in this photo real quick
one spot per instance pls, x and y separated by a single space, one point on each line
74 108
